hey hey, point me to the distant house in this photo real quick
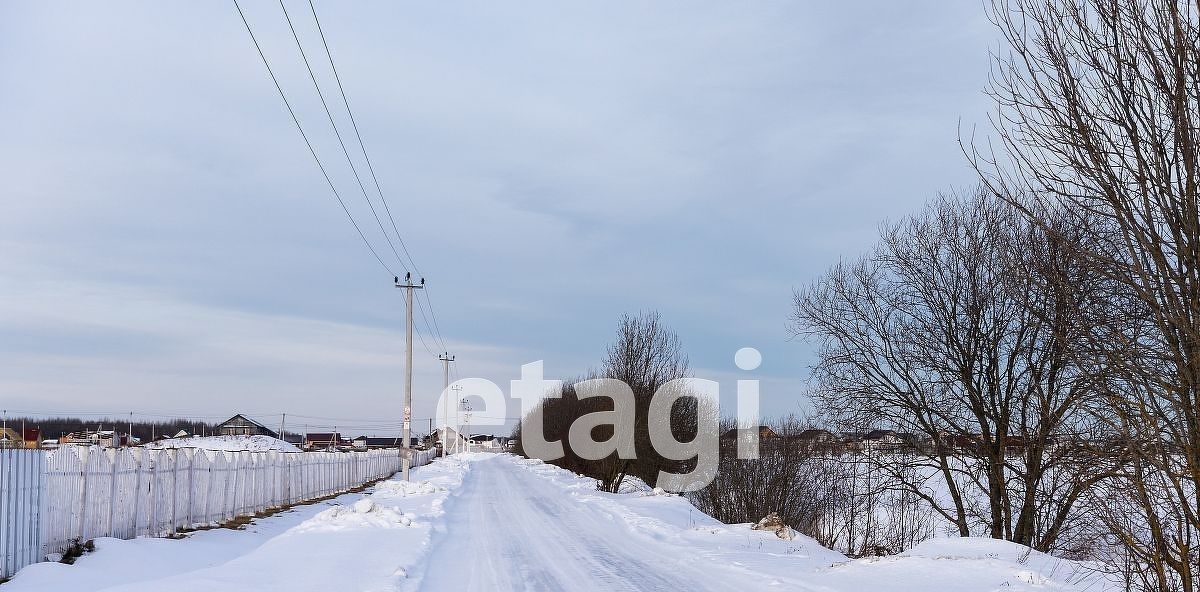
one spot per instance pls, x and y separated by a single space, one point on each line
888 441
813 439
489 442
103 438
240 425
764 433
25 438
451 440
373 443
323 440
9 438
947 443
1015 445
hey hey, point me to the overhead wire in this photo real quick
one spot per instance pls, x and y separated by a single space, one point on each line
433 328
432 314
362 146
338 134
421 337
430 329
307 142
424 302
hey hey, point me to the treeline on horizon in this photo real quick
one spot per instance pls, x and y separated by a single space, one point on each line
52 428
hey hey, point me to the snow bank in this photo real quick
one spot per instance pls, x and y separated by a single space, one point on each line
770 561
362 513
230 443
407 488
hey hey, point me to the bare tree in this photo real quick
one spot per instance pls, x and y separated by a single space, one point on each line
1099 110
953 328
645 355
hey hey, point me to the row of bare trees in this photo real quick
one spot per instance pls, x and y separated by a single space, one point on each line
1052 314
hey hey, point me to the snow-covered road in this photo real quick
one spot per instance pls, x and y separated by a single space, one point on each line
513 530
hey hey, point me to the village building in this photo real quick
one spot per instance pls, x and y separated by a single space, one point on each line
451 440
21 437
240 425
489 443
764 433
102 438
325 441
813 439
374 443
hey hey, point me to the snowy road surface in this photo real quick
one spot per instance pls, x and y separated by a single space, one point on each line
513 530
482 522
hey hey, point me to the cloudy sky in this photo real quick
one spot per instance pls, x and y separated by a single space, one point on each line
168 247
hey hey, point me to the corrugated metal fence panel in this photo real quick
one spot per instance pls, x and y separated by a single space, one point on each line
20 507
48 499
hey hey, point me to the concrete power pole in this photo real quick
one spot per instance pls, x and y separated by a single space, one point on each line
446 358
457 427
408 287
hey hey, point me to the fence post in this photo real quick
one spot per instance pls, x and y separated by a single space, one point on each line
112 496
83 505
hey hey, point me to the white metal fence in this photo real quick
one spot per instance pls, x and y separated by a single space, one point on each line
20 504
50 499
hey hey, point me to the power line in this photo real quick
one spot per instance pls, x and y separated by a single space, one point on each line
361 144
338 134
434 328
308 143
423 344
430 328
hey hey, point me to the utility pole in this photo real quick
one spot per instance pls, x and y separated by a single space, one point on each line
408 287
282 426
457 427
446 358
129 434
467 407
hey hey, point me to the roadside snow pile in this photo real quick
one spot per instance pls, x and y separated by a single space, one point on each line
406 488
228 443
364 512
777 557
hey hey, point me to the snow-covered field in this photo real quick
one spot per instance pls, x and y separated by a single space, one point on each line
497 522
232 443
